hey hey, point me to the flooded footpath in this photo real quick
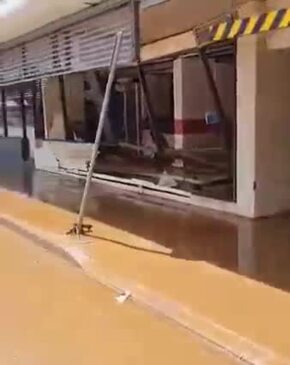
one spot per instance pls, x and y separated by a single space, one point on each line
224 279
257 249
53 314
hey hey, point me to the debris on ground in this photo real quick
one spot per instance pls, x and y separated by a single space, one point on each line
122 298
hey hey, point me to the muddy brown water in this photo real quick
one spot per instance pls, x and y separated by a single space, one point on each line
257 249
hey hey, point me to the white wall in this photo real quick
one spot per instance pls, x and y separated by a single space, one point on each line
246 120
273 131
263 128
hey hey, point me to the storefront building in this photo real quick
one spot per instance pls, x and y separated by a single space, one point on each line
53 76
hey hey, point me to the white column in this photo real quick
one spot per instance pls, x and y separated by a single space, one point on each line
246 124
263 128
192 99
178 102
273 132
53 112
75 99
247 79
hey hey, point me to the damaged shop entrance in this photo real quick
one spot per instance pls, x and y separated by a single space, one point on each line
170 131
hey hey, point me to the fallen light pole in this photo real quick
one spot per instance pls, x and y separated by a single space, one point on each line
80 228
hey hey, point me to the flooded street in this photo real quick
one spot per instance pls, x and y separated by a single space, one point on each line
259 250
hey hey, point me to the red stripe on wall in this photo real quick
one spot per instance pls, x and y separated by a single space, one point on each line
193 126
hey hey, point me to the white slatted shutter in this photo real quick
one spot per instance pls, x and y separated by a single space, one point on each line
82 46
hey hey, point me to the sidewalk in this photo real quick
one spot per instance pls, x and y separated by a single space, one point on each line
241 316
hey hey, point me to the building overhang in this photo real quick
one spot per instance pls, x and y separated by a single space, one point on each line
167 18
29 15
174 17
169 46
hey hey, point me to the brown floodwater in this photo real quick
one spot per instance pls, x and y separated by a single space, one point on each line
257 249
53 314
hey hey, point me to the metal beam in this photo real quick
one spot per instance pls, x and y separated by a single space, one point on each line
216 98
158 139
227 130
79 227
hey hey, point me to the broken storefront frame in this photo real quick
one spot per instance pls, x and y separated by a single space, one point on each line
130 149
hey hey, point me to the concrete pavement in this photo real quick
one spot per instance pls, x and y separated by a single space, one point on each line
243 317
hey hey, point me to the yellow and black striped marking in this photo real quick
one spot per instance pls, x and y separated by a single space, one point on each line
230 29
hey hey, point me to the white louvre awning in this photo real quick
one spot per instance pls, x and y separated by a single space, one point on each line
20 18
81 46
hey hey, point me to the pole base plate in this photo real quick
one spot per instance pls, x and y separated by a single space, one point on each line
83 231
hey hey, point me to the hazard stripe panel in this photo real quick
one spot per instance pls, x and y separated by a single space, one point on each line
230 29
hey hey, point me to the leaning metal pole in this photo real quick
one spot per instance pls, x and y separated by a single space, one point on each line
113 66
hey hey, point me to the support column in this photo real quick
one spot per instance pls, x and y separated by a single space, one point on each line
273 132
263 129
247 54
53 112
247 89
192 99
75 103
178 103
